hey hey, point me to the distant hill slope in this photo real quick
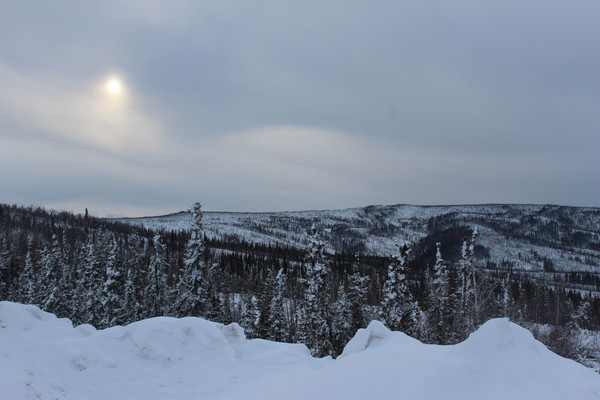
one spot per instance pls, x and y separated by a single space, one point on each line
546 240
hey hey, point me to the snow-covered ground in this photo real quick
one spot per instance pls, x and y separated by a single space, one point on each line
42 357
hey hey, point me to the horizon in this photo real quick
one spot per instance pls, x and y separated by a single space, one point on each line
204 210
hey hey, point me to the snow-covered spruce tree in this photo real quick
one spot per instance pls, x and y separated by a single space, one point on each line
265 298
356 292
248 312
214 309
506 301
90 284
132 308
399 311
53 266
112 289
156 287
316 324
463 288
73 273
341 319
439 314
7 260
10 265
278 330
70 276
192 290
469 304
3 272
583 316
28 281
348 308
475 282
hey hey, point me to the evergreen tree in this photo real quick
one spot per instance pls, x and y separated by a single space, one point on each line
4 256
131 309
583 315
506 301
89 285
10 264
399 311
29 280
277 318
227 311
265 298
342 320
156 289
53 267
112 289
192 291
469 297
248 315
316 329
356 289
214 309
439 314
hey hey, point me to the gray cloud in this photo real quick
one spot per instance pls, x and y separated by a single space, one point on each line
270 106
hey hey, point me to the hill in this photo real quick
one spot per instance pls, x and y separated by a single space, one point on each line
544 242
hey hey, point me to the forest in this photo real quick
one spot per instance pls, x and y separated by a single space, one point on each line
106 273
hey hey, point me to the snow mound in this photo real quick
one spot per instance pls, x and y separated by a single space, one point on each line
376 334
43 357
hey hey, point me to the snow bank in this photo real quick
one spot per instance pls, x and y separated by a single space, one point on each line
42 357
45 357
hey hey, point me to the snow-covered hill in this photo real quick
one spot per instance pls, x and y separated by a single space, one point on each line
43 357
530 238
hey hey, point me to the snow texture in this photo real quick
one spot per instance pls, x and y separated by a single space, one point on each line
42 357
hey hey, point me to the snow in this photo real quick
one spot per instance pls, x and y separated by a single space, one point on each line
43 357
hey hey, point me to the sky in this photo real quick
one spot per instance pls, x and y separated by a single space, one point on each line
270 106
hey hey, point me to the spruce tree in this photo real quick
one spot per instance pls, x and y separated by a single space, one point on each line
265 299
192 290
131 309
439 314
248 315
342 320
112 289
90 284
156 288
278 330
399 311
506 302
52 276
316 329
356 292
29 280
469 302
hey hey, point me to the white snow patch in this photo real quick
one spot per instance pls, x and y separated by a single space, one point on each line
42 357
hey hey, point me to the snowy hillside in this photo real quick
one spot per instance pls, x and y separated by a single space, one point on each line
46 358
552 240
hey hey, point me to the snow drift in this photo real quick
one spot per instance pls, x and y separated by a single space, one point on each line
44 357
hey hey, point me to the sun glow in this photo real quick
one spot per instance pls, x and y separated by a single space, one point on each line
114 86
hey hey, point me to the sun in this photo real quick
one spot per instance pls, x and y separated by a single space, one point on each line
114 86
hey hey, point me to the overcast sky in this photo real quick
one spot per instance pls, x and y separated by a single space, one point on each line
295 105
